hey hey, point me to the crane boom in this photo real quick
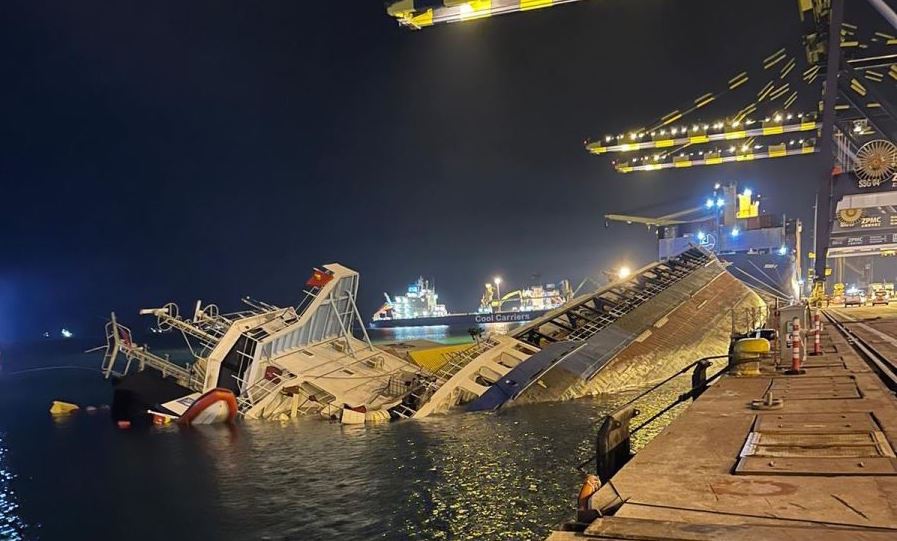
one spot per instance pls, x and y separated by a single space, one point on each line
418 14
668 219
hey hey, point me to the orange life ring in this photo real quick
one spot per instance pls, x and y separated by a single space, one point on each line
207 400
589 487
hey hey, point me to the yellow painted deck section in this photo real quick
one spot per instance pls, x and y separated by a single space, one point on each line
432 359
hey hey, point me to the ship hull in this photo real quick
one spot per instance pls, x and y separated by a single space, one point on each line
770 274
458 320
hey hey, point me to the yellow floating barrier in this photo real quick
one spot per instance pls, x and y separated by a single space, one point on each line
62 408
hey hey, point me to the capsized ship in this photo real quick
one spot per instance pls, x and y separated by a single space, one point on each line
419 306
307 360
625 335
279 362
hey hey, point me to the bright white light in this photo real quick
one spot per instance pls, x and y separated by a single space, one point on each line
497 280
716 186
720 202
701 235
466 9
783 250
66 333
623 272
709 203
735 231
747 192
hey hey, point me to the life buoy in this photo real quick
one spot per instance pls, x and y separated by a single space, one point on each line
215 406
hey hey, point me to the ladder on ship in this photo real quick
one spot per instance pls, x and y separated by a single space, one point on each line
455 362
583 319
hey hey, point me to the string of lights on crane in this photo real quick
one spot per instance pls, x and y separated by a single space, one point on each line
779 123
718 156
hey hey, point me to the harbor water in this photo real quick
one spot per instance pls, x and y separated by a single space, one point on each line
505 475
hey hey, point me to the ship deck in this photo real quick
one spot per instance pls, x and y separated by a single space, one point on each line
691 481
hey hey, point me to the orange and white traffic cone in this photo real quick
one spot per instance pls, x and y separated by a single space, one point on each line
795 350
817 332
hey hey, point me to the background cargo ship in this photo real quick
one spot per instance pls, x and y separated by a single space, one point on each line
761 250
419 306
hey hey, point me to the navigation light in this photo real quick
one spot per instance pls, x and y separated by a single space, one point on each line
709 203
735 232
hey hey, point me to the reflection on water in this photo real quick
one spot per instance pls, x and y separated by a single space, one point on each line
508 475
11 525
437 333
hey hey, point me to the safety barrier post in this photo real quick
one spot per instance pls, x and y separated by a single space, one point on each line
795 349
817 332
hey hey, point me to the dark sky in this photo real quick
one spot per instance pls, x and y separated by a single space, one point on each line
155 151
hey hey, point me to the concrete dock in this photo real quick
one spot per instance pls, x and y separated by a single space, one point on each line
820 468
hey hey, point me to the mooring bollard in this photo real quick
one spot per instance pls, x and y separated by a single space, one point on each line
795 349
747 353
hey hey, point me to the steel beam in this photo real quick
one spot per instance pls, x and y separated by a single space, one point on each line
826 155
885 10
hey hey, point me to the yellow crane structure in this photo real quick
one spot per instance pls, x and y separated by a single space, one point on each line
418 14
848 70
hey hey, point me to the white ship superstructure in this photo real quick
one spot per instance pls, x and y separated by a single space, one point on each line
281 361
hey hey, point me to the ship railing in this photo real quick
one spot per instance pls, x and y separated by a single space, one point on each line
634 295
310 294
418 393
612 440
119 340
198 374
164 365
262 388
457 360
403 383
418 390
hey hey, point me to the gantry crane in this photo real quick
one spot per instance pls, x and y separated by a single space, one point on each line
850 73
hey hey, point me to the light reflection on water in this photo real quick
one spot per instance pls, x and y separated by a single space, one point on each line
509 475
437 333
11 526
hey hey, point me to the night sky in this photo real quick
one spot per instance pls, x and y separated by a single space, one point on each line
156 151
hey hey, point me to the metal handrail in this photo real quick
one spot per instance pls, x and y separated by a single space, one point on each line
694 392
682 371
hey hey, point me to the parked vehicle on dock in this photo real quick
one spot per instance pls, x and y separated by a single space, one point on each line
880 296
854 298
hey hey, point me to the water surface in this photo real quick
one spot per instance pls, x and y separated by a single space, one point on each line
507 475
